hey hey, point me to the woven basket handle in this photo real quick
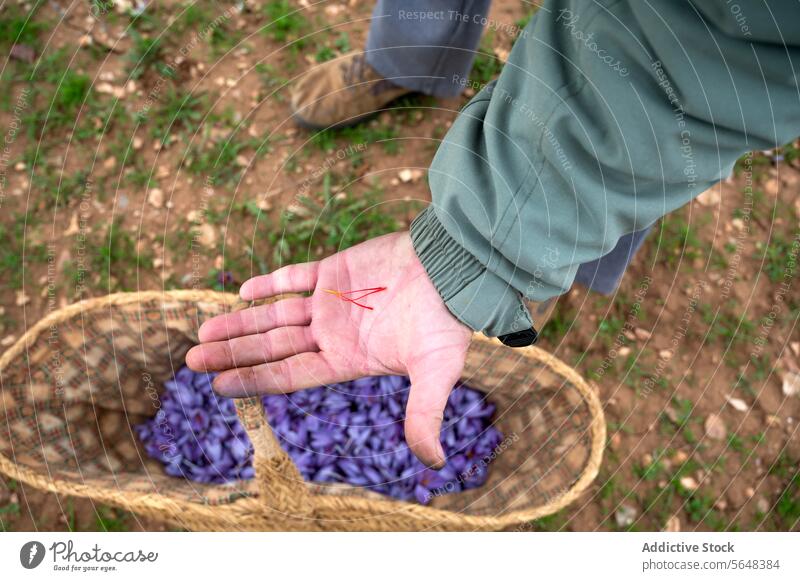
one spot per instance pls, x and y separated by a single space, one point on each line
280 484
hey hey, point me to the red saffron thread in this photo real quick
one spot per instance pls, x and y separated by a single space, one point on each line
354 300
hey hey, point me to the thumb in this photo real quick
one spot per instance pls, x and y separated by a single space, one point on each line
432 380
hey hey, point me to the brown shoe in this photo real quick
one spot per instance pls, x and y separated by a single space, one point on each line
341 92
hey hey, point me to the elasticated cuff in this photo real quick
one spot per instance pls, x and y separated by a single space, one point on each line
475 296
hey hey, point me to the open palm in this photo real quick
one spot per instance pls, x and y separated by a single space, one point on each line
303 342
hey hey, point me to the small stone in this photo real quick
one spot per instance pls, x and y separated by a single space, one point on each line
738 223
625 516
670 412
773 420
762 505
721 504
109 89
680 457
715 427
710 197
791 383
624 351
110 162
156 198
242 161
8 340
772 187
795 347
19 166
673 525
194 216
409 175
138 142
642 334
22 298
73 227
688 483
405 175
750 491
738 404
208 235
665 354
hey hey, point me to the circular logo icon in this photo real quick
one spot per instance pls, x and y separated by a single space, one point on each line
31 554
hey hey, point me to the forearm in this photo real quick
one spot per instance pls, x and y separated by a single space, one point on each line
605 118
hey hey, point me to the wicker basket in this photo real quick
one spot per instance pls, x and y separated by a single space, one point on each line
77 381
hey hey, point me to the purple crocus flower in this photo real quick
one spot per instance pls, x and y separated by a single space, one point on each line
346 432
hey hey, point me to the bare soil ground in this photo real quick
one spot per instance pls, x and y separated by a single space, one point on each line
154 149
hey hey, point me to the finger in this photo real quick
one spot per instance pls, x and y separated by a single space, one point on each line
297 372
251 350
285 313
296 278
432 380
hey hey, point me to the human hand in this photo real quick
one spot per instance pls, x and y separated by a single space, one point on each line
304 342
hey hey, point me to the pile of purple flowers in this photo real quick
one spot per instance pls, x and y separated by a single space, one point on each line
196 434
348 432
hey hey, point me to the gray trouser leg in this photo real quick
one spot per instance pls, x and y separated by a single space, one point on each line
423 45
603 275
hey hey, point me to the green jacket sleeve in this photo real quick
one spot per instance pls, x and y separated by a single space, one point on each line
606 116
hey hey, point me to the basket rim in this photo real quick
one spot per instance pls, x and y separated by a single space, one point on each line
369 507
